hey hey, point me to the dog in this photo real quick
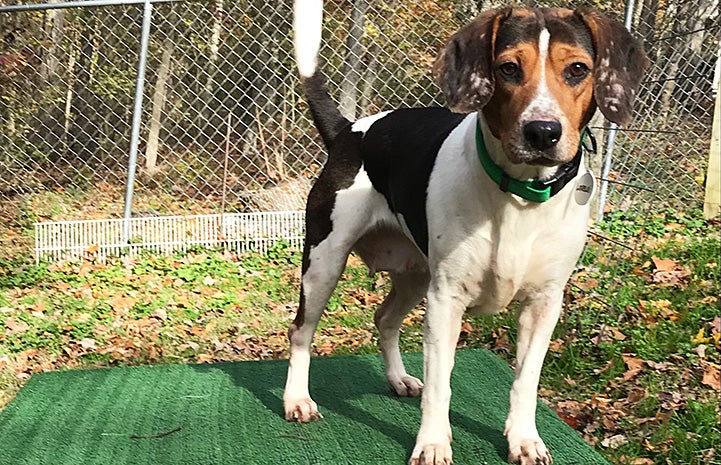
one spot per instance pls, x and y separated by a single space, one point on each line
470 208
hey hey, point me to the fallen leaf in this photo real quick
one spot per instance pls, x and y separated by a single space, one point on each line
87 343
655 310
326 348
700 350
84 269
556 346
664 264
716 325
606 367
670 400
16 326
615 441
711 375
700 337
38 307
635 365
660 366
122 303
204 358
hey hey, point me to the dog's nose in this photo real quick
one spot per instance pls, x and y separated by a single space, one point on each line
542 134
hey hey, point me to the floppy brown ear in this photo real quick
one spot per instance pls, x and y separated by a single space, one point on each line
463 69
618 68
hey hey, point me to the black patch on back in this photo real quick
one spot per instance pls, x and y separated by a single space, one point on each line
398 152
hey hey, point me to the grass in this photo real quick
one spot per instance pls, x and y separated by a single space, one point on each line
633 375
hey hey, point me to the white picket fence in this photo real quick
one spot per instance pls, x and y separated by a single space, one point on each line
104 238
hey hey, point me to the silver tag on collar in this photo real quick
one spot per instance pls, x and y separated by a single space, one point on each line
585 187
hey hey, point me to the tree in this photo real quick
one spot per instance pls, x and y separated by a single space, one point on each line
160 94
352 62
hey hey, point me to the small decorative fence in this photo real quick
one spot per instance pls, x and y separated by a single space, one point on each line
101 239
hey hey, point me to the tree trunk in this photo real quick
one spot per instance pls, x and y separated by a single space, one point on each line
208 103
161 91
159 95
50 135
351 64
369 81
647 22
84 133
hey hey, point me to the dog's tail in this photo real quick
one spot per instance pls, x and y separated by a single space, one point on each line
307 27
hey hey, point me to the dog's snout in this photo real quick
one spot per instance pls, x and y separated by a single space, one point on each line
542 134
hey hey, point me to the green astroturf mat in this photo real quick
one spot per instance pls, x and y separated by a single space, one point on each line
231 413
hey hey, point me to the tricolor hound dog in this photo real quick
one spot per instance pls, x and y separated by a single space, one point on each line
471 208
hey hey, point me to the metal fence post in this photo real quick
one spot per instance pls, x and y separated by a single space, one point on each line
137 113
612 133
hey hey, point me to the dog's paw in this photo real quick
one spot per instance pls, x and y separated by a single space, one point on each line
432 454
301 410
529 451
406 386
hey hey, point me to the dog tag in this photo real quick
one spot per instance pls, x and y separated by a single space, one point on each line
584 188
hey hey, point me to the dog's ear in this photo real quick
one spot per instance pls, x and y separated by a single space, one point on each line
618 66
463 69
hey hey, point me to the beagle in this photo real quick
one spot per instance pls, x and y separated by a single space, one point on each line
470 208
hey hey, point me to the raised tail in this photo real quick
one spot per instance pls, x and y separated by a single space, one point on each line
307 28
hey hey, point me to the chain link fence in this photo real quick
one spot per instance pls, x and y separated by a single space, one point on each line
224 127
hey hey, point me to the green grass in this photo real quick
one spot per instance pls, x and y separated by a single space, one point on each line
215 305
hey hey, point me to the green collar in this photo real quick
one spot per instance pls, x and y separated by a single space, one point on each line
532 190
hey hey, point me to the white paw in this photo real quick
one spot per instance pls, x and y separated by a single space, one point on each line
432 454
301 410
528 451
405 385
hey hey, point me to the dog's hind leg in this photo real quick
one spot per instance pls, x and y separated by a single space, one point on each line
317 284
330 236
408 290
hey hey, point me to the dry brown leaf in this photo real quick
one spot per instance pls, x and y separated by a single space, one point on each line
122 303
711 375
326 348
87 343
615 441
556 346
84 269
664 264
16 326
635 365
716 325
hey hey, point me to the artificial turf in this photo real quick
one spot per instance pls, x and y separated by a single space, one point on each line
232 413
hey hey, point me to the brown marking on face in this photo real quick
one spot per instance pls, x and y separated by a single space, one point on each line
575 98
470 71
540 79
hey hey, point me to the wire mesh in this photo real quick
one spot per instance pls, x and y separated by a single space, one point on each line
224 124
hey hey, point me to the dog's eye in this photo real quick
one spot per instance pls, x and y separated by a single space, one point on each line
575 72
510 70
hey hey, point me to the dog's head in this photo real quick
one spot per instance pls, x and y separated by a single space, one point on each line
539 75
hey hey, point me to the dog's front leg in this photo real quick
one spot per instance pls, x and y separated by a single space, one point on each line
442 328
538 316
